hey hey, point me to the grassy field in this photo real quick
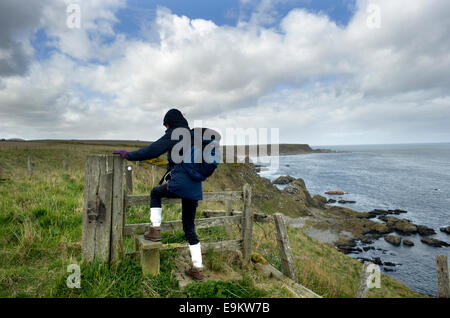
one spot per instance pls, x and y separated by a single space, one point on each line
40 235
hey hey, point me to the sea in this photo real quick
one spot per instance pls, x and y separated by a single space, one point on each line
411 177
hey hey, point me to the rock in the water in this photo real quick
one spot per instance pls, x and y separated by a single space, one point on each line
408 243
399 225
393 239
379 228
348 250
347 247
406 227
335 192
282 180
363 259
366 239
331 201
377 261
389 264
387 218
434 242
370 236
377 212
425 230
259 168
387 269
367 248
346 201
445 229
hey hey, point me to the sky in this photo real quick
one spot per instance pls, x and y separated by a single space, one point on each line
323 72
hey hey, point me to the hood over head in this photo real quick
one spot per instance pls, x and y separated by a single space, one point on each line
175 119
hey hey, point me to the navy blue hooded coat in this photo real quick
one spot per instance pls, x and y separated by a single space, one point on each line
180 183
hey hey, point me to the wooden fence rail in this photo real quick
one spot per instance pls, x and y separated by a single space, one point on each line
177 225
257 216
136 200
230 245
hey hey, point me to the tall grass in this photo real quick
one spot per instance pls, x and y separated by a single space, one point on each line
40 229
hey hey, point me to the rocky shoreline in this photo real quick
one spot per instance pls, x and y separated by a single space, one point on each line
353 232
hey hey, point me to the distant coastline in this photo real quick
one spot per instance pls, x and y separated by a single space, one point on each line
283 149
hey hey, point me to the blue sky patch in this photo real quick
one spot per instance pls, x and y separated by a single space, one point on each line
225 12
138 15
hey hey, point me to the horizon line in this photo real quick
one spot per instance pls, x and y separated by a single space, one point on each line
281 143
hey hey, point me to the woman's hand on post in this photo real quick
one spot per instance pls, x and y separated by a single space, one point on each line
123 153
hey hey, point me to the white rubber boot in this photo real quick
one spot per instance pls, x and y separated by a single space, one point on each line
155 216
196 255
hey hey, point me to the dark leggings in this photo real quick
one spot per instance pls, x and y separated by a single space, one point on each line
188 209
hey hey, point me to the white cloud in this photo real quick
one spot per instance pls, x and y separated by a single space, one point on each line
88 41
318 82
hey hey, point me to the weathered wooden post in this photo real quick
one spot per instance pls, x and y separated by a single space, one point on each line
154 181
287 260
1 174
29 166
228 212
118 212
103 211
64 165
247 223
443 278
129 179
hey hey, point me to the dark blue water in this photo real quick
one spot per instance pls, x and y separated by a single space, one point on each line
415 178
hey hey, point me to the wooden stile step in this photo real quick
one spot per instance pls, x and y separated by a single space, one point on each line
146 244
149 252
